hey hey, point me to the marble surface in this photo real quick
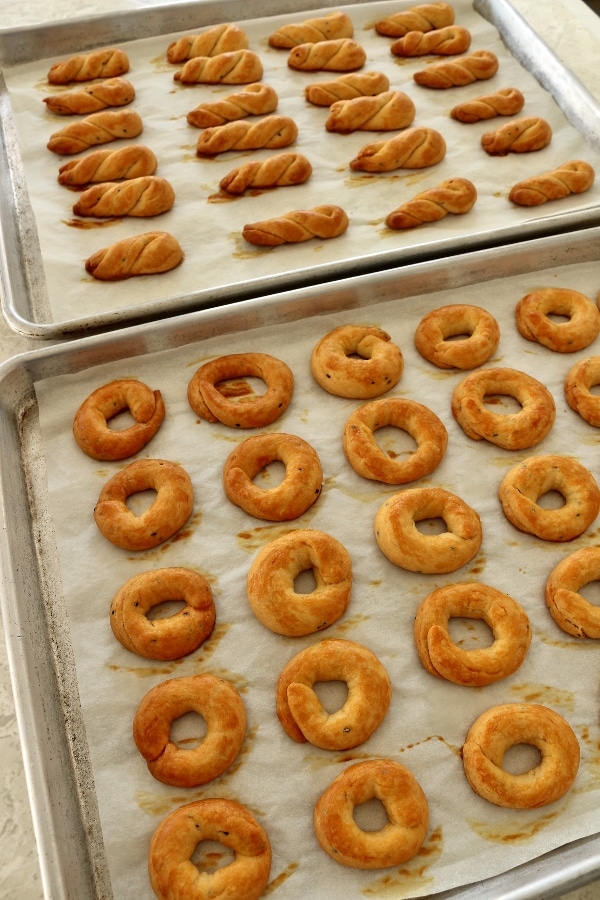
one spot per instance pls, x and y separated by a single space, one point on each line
572 30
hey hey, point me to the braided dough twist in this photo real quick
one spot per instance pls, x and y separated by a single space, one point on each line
106 63
131 161
281 170
343 55
573 177
456 196
387 111
415 148
236 67
426 17
478 66
504 102
142 254
327 28
444 41
137 197
98 128
346 87
519 136
92 98
254 100
271 132
223 38
299 225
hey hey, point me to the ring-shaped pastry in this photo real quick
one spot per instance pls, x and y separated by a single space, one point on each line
580 380
300 488
165 517
505 617
524 485
512 431
174 874
272 574
534 314
368 459
302 715
457 336
90 425
403 800
170 637
223 711
504 726
400 540
568 607
251 410
356 361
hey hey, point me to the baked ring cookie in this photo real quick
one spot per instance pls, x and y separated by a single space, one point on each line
165 517
90 425
512 431
504 726
442 657
300 488
568 607
519 136
356 361
536 314
169 637
406 546
274 570
424 17
151 253
522 487
474 331
413 148
367 457
580 380
251 410
300 711
223 711
170 866
403 800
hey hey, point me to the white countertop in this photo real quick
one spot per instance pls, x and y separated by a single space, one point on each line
573 32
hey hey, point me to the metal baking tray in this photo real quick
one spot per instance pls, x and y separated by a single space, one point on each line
42 661
25 296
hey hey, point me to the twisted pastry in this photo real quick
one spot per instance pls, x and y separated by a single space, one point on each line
131 161
478 66
92 98
143 254
236 67
107 63
271 132
504 102
296 226
415 148
346 87
218 39
281 170
98 128
573 177
385 112
519 136
456 196
343 55
444 41
254 100
328 28
418 18
140 197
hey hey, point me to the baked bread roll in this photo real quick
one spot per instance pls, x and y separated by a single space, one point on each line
140 197
573 177
98 128
254 100
519 136
281 170
478 66
143 254
425 17
415 148
237 67
271 132
452 39
92 98
296 226
343 55
456 196
504 102
389 111
327 28
218 39
107 63
346 87
131 161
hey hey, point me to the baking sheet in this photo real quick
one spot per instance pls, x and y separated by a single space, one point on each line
47 292
77 688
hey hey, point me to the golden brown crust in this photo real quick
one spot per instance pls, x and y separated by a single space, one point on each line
414 148
131 161
169 637
403 800
281 170
224 38
150 253
573 177
388 111
254 100
92 98
525 483
455 195
270 132
107 63
475 331
560 319
504 726
343 55
568 607
323 222
368 459
503 102
234 67
447 41
519 136
356 361
141 197
90 425
580 380
304 718
223 711
311 31
97 128
346 87
424 17
271 578
478 66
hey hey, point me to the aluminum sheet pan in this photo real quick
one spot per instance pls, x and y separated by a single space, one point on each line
45 292
46 659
